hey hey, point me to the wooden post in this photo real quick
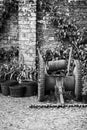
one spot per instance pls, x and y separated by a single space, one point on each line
59 85
70 54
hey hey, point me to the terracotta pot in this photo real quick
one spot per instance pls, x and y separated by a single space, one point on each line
17 91
5 86
1 81
69 83
30 88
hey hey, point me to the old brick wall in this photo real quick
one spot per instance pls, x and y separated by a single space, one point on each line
78 11
27 31
75 9
19 28
45 32
9 27
29 26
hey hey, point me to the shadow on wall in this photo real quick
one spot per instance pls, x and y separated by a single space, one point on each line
10 8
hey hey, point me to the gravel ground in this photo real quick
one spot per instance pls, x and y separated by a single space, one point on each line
15 114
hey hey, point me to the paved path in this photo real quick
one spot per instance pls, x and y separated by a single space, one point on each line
15 114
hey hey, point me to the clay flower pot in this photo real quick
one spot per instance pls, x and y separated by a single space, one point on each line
30 88
1 81
17 91
5 86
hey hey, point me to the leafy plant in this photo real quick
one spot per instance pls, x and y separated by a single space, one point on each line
7 55
7 69
23 72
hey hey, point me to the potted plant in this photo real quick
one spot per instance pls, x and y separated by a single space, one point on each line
30 83
27 85
6 73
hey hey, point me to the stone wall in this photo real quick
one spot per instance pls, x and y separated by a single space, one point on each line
27 31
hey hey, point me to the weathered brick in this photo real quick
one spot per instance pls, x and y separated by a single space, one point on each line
27 31
22 26
75 10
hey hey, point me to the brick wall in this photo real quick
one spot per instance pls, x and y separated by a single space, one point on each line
9 28
27 31
19 28
45 32
76 10
24 26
